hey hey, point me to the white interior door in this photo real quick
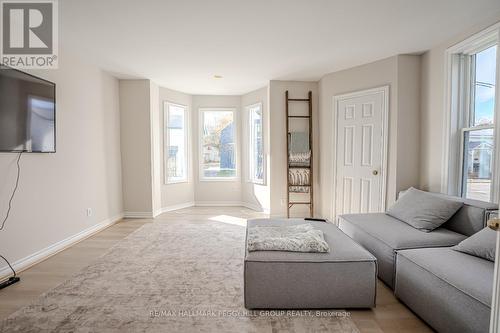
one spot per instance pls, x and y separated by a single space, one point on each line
360 151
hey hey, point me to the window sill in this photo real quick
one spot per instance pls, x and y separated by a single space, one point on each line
256 182
185 181
220 179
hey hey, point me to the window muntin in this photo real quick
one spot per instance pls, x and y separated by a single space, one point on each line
256 144
175 143
218 144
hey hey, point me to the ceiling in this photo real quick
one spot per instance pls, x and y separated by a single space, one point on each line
182 44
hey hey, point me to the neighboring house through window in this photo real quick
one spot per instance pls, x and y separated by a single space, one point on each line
472 68
175 143
217 144
255 144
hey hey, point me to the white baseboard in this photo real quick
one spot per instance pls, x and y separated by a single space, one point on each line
149 215
138 215
49 251
255 207
218 204
177 207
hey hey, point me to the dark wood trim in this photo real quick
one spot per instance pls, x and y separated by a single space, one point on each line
288 166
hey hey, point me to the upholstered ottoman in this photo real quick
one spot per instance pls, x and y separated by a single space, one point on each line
343 278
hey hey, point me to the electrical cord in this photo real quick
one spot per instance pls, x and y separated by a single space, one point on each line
10 207
8 263
13 192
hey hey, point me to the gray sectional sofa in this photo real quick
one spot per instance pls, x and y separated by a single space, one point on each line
450 290
383 235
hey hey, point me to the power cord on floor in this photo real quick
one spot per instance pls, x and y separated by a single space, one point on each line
8 263
10 207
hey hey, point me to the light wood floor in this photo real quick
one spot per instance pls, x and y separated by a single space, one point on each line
389 315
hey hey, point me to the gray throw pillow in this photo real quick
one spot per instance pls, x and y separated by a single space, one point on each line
482 244
423 210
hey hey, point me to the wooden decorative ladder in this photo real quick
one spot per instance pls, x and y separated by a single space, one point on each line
308 117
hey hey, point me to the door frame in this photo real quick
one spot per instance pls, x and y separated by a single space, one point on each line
385 140
495 299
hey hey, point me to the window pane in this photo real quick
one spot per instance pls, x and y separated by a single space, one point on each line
256 145
176 150
218 141
484 86
478 159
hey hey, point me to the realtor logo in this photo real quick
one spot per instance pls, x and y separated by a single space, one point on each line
29 33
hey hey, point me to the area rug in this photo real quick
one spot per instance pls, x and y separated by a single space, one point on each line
168 276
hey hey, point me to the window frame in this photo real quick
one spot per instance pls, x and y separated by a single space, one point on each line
250 165
458 118
462 192
166 141
201 174
468 111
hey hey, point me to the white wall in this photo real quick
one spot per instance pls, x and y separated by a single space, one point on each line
256 196
432 109
85 172
156 148
403 112
216 192
141 145
136 148
175 195
278 153
408 129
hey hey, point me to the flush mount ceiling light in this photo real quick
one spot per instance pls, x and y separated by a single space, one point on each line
218 76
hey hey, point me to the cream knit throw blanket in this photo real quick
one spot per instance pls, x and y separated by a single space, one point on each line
294 238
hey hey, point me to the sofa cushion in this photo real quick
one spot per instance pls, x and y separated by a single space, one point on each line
450 290
422 210
482 244
399 235
469 219
382 235
470 275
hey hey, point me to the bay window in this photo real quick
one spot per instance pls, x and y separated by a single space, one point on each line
175 138
217 144
255 144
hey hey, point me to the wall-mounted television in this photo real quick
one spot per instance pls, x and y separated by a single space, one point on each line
27 112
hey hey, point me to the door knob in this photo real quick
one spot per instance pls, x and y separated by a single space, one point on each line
375 172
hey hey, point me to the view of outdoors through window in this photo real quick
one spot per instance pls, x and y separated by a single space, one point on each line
478 145
256 144
218 144
177 158
478 140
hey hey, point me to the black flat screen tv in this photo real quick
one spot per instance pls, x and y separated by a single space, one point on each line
27 112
